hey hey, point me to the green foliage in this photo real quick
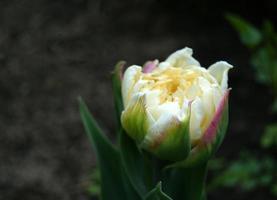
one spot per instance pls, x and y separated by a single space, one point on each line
263 45
269 138
157 194
249 35
247 173
113 178
116 80
136 165
95 183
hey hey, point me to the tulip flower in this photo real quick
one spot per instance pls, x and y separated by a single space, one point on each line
171 116
175 109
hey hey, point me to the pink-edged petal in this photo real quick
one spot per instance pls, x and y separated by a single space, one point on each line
149 66
211 131
211 139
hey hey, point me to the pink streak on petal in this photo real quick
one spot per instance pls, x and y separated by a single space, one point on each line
150 66
211 131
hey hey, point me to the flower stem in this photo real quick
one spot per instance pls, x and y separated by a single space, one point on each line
187 183
194 179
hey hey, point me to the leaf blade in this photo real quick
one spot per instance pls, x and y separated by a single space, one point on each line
136 165
113 179
116 86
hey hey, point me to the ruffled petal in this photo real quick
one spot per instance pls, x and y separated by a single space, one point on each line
182 58
219 70
197 115
134 118
130 77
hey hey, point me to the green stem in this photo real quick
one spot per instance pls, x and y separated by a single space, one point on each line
187 183
195 180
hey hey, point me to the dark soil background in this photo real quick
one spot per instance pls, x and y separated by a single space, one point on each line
51 52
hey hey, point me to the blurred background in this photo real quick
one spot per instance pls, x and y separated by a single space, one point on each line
51 52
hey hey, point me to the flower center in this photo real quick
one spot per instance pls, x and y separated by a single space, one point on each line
173 82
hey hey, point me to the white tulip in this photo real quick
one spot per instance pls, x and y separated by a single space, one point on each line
159 98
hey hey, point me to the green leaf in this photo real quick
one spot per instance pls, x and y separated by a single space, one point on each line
137 166
269 138
246 173
157 194
265 63
269 32
116 84
249 35
95 183
114 183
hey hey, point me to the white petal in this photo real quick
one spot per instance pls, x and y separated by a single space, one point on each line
184 110
219 70
159 127
129 79
197 114
138 85
182 58
169 108
193 91
207 100
152 98
164 65
217 95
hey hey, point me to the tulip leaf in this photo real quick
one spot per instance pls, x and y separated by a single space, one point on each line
114 183
136 165
249 35
116 84
157 194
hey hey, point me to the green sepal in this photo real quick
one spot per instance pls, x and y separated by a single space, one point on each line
116 86
157 194
173 144
134 119
113 179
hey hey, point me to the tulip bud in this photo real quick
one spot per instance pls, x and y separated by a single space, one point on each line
175 107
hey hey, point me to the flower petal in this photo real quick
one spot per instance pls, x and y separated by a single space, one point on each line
212 137
219 70
149 66
197 115
134 118
214 129
129 79
168 138
182 58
